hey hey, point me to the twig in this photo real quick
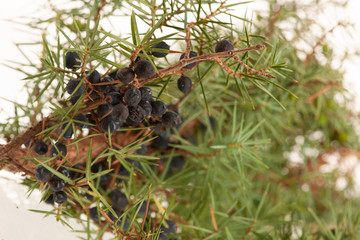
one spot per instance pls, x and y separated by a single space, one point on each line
320 92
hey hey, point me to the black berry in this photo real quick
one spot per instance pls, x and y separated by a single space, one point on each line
146 94
120 113
136 114
58 149
162 141
60 197
158 108
114 98
146 106
108 124
72 60
93 76
224 46
81 121
94 213
42 174
103 88
160 45
191 55
50 199
177 163
64 171
144 69
103 110
73 85
56 184
171 227
171 120
184 84
40 147
132 97
118 200
68 132
125 75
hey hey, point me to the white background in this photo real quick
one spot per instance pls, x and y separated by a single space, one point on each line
16 222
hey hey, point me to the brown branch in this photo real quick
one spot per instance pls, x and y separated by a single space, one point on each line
179 66
320 92
319 42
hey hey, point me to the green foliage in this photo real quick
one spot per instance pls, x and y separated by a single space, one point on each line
238 181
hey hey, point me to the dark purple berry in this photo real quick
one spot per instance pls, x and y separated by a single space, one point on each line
146 106
170 229
158 108
42 174
146 94
144 69
224 46
142 150
73 85
114 98
184 84
64 171
191 55
125 75
113 73
72 60
56 184
160 45
170 120
132 97
118 200
103 88
177 163
94 213
120 113
50 199
67 129
60 197
108 124
81 121
162 141
58 149
40 147
74 99
136 114
93 76
103 110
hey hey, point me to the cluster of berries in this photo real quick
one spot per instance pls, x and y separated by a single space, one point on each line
125 105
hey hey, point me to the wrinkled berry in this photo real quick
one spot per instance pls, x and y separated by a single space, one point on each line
191 55
120 113
40 147
160 45
146 106
158 108
144 69
58 149
113 98
184 84
42 174
93 76
146 94
103 88
113 73
125 75
72 60
224 46
73 85
132 97
170 120
136 114
56 184
60 197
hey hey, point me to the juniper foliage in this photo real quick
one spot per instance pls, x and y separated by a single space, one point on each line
224 171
